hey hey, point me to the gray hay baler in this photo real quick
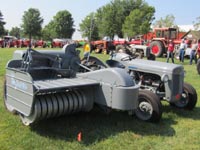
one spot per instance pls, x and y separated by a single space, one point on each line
45 85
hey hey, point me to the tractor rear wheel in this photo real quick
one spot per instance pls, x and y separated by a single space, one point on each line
188 99
149 107
198 66
157 48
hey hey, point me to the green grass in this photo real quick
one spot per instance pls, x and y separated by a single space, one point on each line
177 130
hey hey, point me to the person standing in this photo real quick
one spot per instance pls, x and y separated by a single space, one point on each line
198 50
193 51
86 49
182 50
170 51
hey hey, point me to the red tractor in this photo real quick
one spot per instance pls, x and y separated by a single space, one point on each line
59 42
24 42
119 42
40 43
160 38
100 46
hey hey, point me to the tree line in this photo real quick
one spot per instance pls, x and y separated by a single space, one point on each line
126 18
62 26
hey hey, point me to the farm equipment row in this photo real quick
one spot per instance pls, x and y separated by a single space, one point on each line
11 41
157 41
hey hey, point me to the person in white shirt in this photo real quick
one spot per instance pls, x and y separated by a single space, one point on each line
193 51
182 50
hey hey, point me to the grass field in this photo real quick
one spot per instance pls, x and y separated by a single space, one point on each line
177 130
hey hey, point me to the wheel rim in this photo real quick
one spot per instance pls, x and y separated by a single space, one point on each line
155 49
183 101
144 111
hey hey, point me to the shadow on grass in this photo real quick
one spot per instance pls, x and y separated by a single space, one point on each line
96 126
183 113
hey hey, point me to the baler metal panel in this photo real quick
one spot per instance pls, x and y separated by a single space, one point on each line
19 90
63 83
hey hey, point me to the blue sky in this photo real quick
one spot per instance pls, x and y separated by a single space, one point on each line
185 12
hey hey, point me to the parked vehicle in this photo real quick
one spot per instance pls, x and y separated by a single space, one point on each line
24 42
39 43
59 42
160 37
102 46
163 79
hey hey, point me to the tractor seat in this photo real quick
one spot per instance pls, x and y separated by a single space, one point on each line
113 63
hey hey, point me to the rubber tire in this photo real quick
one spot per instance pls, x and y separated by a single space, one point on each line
160 48
192 95
8 107
151 57
198 66
154 101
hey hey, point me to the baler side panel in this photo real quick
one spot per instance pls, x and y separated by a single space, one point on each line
20 91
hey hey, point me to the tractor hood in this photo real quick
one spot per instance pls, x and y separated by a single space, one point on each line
142 65
153 66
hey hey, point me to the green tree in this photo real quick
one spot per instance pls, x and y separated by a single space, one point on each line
15 31
196 23
111 17
117 11
138 22
88 27
63 24
107 24
2 23
124 9
168 21
48 32
32 23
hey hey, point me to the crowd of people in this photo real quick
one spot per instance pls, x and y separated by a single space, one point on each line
194 53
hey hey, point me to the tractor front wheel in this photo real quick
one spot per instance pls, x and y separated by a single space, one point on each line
188 99
149 107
